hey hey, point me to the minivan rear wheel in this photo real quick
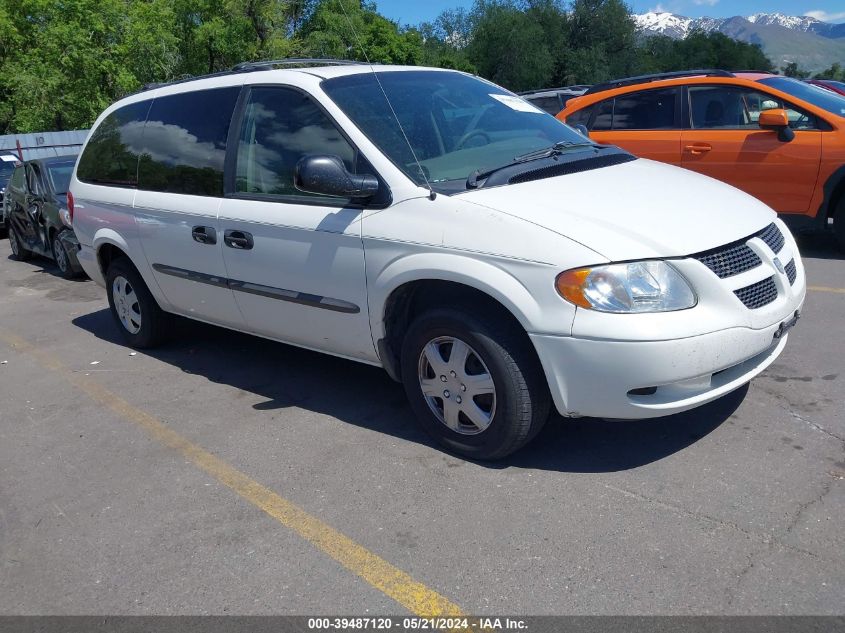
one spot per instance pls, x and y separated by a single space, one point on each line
141 321
473 382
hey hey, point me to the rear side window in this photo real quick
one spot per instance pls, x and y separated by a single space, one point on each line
646 110
604 115
17 180
547 104
111 155
183 146
279 127
582 117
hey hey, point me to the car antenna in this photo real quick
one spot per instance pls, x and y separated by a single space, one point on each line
431 193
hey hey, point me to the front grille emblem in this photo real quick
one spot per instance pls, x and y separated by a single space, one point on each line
779 266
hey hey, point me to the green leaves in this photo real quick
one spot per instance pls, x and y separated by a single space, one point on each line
63 62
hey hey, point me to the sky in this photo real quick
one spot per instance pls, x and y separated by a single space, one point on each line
416 11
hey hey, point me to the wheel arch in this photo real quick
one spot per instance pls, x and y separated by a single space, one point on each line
834 192
419 282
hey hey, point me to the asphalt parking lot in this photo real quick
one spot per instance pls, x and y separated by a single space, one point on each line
226 474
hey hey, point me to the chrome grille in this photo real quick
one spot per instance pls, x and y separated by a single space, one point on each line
772 236
758 294
791 272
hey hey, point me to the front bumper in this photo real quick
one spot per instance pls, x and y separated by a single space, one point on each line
72 247
595 377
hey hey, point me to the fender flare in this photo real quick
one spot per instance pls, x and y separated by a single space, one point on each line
105 236
480 275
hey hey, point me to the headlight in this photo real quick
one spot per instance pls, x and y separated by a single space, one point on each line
64 216
650 286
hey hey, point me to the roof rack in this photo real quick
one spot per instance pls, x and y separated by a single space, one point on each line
291 61
257 65
630 81
576 87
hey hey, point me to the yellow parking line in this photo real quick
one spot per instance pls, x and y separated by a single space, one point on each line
392 581
840 291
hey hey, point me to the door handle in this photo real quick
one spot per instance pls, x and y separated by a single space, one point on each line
240 240
698 148
204 235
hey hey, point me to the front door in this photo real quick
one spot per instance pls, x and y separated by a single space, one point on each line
725 142
295 260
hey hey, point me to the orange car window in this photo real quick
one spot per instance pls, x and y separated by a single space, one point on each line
732 108
646 110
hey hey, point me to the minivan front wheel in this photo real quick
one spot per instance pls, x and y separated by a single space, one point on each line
141 321
474 383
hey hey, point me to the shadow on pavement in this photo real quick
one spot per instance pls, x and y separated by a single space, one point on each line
287 376
819 246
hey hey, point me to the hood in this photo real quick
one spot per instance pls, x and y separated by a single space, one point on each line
61 198
636 210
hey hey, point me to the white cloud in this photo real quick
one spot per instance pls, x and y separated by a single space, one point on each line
709 3
658 9
824 16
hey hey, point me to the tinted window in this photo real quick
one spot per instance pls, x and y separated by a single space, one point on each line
183 146
111 156
280 126
17 180
730 108
58 174
549 104
6 169
33 180
582 117
604 115
647 110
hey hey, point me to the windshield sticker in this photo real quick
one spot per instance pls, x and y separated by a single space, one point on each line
516 103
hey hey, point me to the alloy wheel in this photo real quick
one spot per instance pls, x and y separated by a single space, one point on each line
60 255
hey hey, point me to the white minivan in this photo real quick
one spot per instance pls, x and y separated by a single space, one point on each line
490 258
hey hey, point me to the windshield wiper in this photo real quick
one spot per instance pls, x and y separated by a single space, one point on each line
547 152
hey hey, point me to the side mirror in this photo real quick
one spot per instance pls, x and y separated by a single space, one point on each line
582 129
777 119
327 175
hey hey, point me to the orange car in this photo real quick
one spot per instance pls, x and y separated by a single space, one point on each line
779 139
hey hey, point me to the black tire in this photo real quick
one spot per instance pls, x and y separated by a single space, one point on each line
62 259
153 320
19 251
839 223
522 400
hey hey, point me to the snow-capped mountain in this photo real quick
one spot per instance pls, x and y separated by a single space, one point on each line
795 22
679 26
811 43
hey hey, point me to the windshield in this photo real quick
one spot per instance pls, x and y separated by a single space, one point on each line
59 176
819 97
456 124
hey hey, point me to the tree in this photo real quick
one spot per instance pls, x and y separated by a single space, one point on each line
792 70
836 72
352 29
508 47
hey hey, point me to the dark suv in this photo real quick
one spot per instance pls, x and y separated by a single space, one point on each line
7 166
37 213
